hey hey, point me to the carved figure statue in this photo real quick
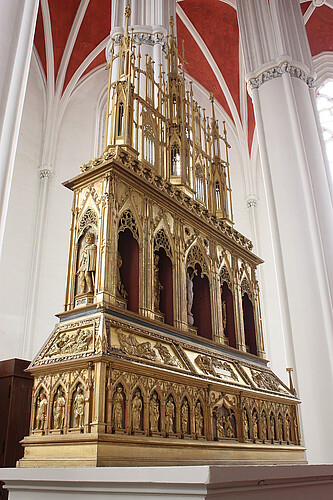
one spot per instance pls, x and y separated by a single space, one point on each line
229 431
190 295
272 425
118 408
280 428
224 315
87 265
154 413
120 287
59 410
41 411
255 426
264 427
288 425
136 411
157 285
169 415
245 424
184 416
219 426
198 419
79 407
166 355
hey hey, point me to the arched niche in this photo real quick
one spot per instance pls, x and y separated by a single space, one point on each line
128 248
166 282
228 314
249 325
201 308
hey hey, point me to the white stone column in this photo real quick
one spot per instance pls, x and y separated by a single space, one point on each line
45 174
17 28
280 75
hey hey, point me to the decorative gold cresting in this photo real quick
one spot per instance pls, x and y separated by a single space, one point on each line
160 120
158 355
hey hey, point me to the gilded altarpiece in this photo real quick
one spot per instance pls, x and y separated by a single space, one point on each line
158 357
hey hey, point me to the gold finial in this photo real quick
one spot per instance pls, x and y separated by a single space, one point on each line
128 11
211 97
291 385
172 24
127 15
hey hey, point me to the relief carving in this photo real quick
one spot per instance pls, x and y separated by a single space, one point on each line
70 342
165 354
130 345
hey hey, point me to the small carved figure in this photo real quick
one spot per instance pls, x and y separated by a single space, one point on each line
184 416
190 295
280 428
154 413
157 285
288 425
130 345
272 425
169 415
87 265
219 426
120 287
41 411
198 419
229 431
118 408
264 427
79 407
59 410
165 354
245 424
255 426
224 315
136 411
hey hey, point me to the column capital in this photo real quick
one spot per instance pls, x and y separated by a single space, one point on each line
295 71
251 200
45 171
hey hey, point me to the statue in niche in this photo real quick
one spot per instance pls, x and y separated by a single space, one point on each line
280 428
219 426
120 287
224 315
229 430
169 415
184 416
157 285
255 426
264 427
245 424
272 425
198 419
78 407
190 295
41 411
118 408
136 411
87 265
288 425
59 410
154 413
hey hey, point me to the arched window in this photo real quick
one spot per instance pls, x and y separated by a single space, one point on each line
120 119
174 106
175 160
218 196
325 109
149 143
249 325
199 183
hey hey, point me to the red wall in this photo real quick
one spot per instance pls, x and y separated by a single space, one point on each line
249 327
129 271
201 305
